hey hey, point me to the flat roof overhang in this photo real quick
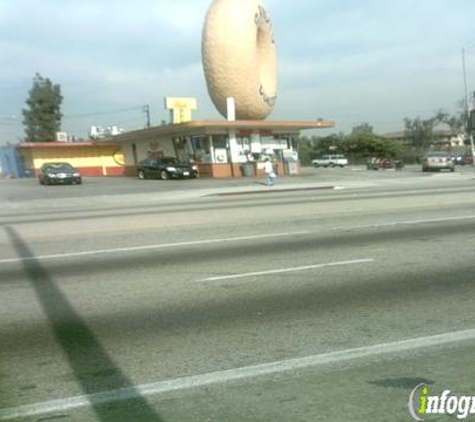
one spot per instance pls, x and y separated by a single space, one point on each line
34 145
206 127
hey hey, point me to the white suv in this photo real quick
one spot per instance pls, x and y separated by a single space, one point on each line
331 161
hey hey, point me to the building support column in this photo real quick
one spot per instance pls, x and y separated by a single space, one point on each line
256 146
233 147
234 154
211 149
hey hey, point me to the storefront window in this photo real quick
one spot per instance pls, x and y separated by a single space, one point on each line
202 152
220 141
245 149
181 150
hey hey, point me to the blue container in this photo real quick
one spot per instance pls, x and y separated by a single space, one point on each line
11 163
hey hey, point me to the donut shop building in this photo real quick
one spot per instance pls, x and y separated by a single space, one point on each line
219 148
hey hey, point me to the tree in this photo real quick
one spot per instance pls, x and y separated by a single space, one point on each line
316 146
458 122
421 131
362 128
42 117
306 151
363 145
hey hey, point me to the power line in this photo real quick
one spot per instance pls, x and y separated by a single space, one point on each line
10 124
103 113
9 120
134 119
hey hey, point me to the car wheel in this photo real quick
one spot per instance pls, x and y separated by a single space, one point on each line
141 175
164 175
452 169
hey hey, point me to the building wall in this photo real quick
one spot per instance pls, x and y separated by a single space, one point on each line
205 152
145 149
89 160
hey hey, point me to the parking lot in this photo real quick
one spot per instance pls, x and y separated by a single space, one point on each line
18 190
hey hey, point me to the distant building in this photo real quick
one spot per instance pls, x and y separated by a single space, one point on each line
440 138
90 158
99 132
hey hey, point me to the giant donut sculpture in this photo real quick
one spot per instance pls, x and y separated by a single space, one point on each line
239 57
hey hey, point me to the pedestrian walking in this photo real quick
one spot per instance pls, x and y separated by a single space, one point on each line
270 173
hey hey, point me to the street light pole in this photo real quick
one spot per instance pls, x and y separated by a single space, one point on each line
469 110
470 113
465 81
146 110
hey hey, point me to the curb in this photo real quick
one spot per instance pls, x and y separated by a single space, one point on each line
258 192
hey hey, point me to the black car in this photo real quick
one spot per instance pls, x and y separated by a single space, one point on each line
59 174
165 168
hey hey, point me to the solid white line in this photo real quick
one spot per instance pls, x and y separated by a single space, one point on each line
414 222
149 247
236 374
287 270
224 240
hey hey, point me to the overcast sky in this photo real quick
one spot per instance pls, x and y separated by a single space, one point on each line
367 61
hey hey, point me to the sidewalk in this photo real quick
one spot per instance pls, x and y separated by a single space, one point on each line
119 192
195 190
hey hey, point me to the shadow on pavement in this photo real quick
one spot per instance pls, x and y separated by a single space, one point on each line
93 369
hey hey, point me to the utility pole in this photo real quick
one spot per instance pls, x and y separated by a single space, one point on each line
471 127
146 110
465 84
469 111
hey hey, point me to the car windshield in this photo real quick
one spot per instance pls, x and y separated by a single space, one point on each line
169 160
58 167
436 155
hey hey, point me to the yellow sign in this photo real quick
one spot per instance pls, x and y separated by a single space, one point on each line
180 108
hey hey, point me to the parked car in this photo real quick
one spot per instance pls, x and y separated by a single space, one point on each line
165 168
384 163
330 161
458 160
59 174
437 160
468 159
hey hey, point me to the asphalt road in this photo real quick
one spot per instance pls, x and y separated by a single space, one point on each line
294 305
